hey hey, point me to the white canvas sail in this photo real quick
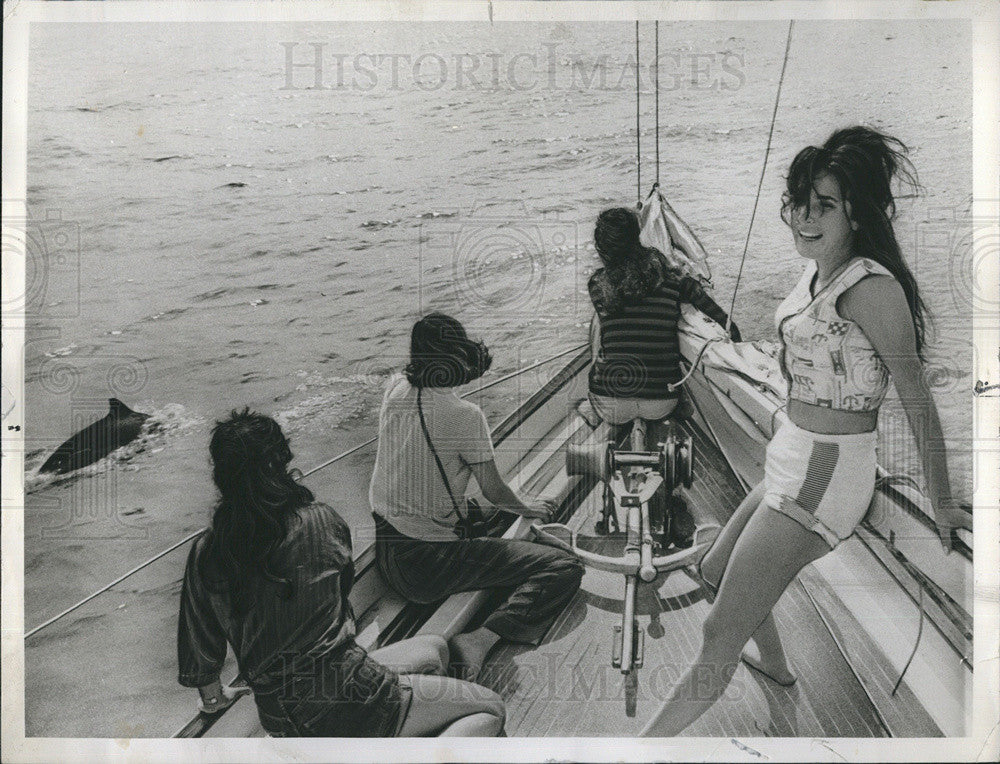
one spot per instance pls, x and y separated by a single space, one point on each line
688 257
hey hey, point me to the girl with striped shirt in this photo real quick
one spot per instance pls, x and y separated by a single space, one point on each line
637 297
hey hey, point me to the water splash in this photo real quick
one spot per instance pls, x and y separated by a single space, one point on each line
163 426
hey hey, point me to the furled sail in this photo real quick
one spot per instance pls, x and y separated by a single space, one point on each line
688 257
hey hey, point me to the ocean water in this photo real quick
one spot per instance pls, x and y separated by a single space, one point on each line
228 234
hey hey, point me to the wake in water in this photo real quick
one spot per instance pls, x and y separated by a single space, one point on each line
338 401
157 432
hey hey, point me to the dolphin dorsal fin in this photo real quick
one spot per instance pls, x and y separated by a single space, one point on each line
117 407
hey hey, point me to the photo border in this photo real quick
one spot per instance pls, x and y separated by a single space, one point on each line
982 744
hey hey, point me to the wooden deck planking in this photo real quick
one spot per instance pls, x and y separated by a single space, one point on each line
903 714
567 686
577 657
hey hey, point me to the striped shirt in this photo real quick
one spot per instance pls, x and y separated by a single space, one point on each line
640 352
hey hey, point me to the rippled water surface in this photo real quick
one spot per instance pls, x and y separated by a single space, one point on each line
243 242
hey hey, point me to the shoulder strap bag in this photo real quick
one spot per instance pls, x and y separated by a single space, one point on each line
474 523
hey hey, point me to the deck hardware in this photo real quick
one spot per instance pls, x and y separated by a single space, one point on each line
640 638
632 477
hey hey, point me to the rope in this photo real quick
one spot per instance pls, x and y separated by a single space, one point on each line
638 152
317 468
656 86
920 631
694 365
763 170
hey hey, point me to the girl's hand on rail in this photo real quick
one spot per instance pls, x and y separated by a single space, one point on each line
947 517
539 509
216 698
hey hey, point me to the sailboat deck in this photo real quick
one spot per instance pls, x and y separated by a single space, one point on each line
567 687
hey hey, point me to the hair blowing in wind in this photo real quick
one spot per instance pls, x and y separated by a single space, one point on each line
864 163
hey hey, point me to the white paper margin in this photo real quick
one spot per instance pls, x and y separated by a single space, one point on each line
982 745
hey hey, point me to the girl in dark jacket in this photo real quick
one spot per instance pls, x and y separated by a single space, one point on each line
271 578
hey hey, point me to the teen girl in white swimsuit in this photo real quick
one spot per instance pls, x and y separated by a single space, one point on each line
854 319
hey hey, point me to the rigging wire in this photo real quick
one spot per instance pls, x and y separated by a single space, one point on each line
317 468
638 152
763 170
479 389
117 581
656 90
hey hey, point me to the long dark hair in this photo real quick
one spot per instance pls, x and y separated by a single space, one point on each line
631 270
258 494
864 163
442 355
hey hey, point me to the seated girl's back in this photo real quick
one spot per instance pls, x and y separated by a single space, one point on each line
271 578
266 619
406 488
637 298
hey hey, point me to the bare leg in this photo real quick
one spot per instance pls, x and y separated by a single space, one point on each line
440 706
767 556
424 654
469 650
451 707
768 656
714 563
475 725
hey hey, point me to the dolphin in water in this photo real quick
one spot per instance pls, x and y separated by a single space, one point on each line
121 425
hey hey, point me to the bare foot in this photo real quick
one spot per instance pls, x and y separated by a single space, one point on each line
777 674
468 651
